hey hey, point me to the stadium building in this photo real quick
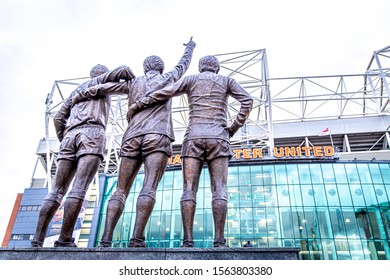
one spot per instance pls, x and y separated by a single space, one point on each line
311 168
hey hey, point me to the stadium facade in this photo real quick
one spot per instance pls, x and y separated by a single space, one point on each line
311 168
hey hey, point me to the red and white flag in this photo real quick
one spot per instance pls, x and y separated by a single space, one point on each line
324 132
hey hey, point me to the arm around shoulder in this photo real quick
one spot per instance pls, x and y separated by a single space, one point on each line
119 73
61 118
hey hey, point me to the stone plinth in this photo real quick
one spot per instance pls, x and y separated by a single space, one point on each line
149 254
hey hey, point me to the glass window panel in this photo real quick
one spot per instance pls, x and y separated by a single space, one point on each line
153 244
356 249
232 179
332 195
344 194
301 223
110 185
257 175
283 195
352 173
342 248
351 223
159 200
244 177
127 226
375 250
280 174
327 173
375 173
274 226
165 226
328 249
101 228
232 220
260 196
337 223
319 195
292 174
206 193
385 215
131 203
198 225
233 197
363 223
167 199
259 242
167 181
387 188
247 223
337 209
310 224
261 228
154 226
308 195
295 195
316 175
385 171
357 195
117 235
208 224
369 195
246 197
324 222
137 184
104 204
269 175
178 180
381 194
339 171
177 225
269 196
304 174
376 223
273 242
364 173
176 196
382 248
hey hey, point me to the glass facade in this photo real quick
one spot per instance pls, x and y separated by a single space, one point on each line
330 210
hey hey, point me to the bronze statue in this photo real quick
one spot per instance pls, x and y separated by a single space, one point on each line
81 130
147 139
207 138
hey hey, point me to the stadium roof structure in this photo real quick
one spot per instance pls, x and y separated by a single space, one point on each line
282 107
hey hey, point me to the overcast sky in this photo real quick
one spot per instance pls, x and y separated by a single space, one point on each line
45 40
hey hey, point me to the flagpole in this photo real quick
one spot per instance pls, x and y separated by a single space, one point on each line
331 140
325 132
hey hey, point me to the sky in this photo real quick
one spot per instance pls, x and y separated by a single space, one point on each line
44 40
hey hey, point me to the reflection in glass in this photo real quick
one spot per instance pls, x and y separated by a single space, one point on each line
329 210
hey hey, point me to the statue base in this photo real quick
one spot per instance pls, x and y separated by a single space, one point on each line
149 253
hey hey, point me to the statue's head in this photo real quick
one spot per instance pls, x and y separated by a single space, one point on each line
98 70
153 62
209 63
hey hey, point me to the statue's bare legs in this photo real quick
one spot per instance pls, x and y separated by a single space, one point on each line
87 167
65 172
155 165
83 171
192 168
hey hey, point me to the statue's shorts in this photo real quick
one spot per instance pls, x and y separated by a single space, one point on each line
54 196
83 140
141 146
206 149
